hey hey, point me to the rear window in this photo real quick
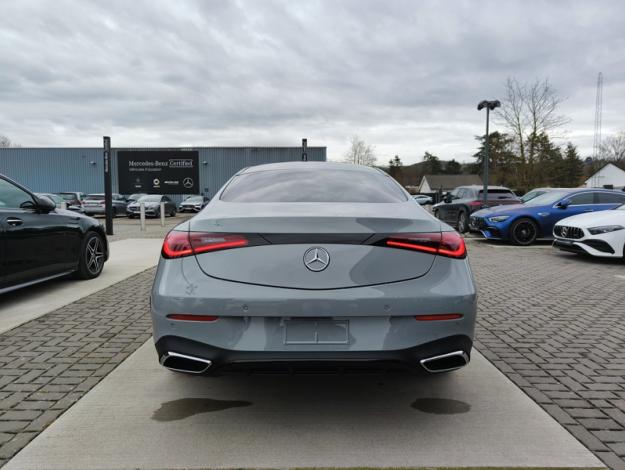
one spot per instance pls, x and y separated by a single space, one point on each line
94 197
68 196
498 194
313 186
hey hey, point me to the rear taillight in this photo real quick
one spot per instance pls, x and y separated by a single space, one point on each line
476 204
191 317
449 244
439 317
180 244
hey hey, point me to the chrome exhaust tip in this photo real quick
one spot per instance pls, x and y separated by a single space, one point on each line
184 363
445 362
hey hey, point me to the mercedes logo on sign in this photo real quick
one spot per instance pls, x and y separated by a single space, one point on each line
187 183
565 231
316 259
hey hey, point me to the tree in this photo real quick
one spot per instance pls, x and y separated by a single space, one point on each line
503 162
5 142
572 170
452 167
613 148
530 110
395 168
360 153
432 164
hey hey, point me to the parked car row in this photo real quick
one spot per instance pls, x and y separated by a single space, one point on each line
93 204
581 220
523 224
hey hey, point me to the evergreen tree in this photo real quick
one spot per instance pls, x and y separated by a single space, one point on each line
504 164
395 168
433 164
572 167
452 167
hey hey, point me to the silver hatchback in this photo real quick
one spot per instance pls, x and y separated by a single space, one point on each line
313 265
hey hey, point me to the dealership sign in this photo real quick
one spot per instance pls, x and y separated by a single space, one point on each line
158 171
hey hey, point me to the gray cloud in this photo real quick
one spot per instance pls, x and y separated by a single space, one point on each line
403 75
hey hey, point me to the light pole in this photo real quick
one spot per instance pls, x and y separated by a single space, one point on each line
489 105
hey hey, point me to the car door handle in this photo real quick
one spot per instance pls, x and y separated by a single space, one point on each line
14 221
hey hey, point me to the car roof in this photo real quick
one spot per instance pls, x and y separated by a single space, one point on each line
310 166
479 186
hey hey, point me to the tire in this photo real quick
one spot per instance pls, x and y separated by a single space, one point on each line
463 222
91 259
172 213
131 216
523 232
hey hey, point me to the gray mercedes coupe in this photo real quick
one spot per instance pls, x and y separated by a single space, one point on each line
313 265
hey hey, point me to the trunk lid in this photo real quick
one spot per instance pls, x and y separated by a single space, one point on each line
342 232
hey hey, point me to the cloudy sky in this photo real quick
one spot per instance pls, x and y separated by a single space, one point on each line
403 75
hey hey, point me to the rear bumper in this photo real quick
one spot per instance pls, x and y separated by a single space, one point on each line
252 320
220 360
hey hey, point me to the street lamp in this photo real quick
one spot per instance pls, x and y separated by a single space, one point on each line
489 105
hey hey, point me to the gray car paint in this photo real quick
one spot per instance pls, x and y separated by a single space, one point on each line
379 295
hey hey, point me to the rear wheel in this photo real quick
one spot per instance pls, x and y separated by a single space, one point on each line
436 214
524 232
463 222
92 256
172 213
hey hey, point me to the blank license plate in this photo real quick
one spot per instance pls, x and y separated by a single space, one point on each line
310 331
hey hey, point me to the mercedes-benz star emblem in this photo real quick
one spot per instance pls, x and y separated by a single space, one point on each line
564 231
316 259
187 183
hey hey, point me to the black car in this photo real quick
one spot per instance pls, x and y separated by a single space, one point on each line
40 242
457 206
193 204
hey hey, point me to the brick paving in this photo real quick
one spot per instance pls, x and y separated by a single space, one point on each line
554 323
49 363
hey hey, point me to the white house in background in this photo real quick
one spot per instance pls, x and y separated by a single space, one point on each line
610 174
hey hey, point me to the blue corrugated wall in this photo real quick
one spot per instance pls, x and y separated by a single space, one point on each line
80 169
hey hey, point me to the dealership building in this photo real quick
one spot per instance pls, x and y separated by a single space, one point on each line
175 171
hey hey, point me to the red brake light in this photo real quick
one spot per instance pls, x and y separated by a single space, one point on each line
190 317
180 244
476 203
449 244
442 316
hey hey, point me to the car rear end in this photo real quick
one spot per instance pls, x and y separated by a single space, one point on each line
93 204
323 285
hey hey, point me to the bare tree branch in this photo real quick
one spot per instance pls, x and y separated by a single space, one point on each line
360 153
613 148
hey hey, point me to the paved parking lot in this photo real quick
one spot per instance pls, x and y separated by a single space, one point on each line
553 323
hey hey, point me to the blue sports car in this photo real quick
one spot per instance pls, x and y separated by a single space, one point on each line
523 224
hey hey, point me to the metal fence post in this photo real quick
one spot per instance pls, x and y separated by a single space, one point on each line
162 214
142 215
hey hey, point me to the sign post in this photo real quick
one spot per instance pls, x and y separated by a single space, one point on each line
304 148
108 191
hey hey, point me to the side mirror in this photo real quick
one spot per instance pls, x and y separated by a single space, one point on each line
45 204
563 204
447 198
